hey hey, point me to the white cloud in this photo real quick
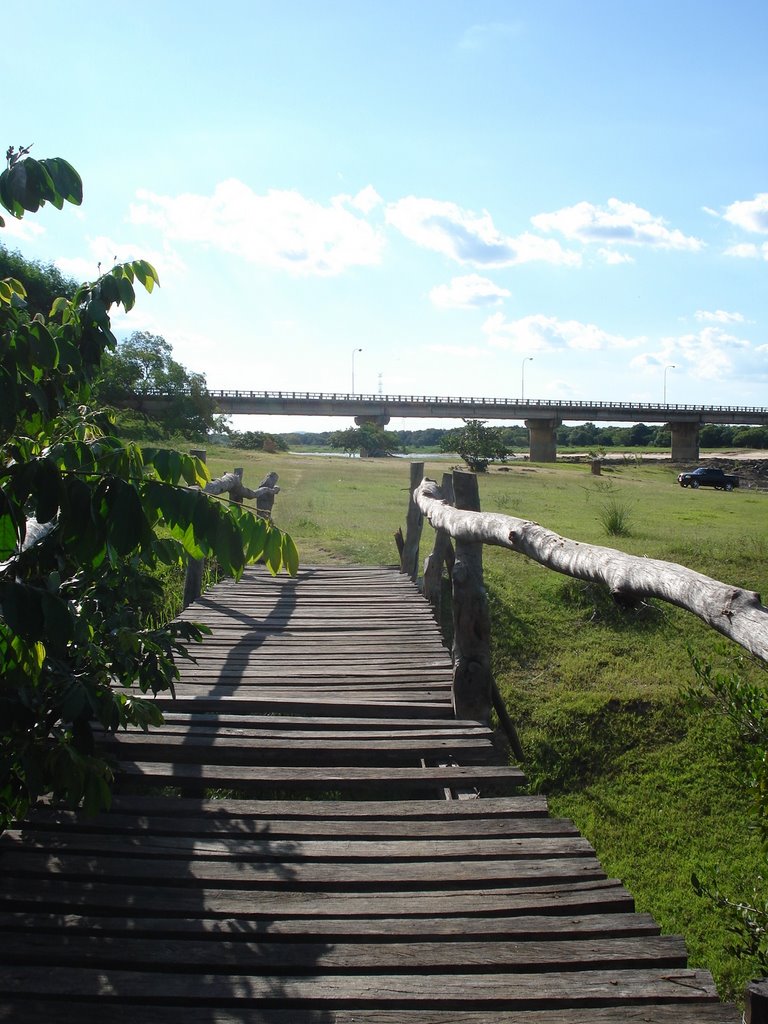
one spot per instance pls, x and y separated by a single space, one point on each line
23 230
709 354
748 251
104 252
750 214
718 316
613 258
470 238
540 333
367 199
468 292
710 211
617 223
281 229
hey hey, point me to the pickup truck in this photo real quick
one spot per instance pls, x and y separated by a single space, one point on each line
708 476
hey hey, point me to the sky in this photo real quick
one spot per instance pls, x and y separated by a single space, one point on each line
555 198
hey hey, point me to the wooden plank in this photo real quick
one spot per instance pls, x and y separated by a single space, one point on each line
283 872
245 750
75 1011
63 894
499 808
264 845
440 991
218 953
245 777
488 929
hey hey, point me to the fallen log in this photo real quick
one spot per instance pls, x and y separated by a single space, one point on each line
736 613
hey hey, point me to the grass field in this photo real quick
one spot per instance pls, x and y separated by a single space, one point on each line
598 696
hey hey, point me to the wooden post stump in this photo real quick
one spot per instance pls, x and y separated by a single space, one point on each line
409 560
471 617
756 1009
442 554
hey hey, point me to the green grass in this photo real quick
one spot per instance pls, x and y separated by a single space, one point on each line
597 694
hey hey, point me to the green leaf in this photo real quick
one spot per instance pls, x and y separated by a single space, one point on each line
127 528
43 348
273 551
8 538
290 554
47 490
65 178
22 609
127 294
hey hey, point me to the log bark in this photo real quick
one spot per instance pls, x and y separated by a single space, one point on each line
736 613
471 616
442 554
231 484
409 562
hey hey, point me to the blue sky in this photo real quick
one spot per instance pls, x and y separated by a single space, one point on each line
453 187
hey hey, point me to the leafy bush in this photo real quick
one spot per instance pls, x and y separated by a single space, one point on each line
85 520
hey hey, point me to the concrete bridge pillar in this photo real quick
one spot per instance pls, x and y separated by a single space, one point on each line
685 441
543 439
380 419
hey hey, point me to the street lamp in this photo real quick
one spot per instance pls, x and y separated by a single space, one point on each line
671 366
354 353
528 359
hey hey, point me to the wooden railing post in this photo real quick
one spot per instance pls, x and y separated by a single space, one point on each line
193 580
442 554
409 557
471 617
756 1009
237 496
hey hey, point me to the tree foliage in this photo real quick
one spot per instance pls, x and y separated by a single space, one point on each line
477 444
84 521
43 282
257 441
370 440
143 364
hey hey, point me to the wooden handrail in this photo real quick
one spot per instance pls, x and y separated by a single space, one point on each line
736 613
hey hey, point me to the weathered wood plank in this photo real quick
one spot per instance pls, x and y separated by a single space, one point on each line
489 929
63 894
139 953
255 847
76 1011
561 989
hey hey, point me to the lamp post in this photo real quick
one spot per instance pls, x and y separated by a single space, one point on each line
670 366
528 359
354 353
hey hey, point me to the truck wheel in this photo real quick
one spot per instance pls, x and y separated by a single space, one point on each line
683 483
729 487
695 485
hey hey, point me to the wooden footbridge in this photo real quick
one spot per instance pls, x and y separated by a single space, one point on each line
314 838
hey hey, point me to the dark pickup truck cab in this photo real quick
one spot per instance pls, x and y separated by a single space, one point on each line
708 476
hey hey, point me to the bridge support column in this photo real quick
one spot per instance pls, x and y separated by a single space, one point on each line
685 441
381 420
543 439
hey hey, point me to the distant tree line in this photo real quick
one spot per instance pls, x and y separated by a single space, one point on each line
583 435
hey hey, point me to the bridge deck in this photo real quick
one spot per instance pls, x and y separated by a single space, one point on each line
296 845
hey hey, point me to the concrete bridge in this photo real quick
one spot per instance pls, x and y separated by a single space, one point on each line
542 417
